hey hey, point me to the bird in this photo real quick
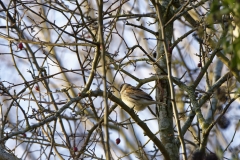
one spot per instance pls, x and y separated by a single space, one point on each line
136 98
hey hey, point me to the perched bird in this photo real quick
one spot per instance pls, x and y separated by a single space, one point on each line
136 98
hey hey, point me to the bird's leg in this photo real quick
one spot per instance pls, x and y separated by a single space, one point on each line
132 109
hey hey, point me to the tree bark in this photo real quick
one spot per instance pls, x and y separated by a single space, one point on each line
165 113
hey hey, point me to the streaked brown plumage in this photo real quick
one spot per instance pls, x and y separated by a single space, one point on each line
135 97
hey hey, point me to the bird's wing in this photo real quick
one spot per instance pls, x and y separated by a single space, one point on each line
139 94
145 96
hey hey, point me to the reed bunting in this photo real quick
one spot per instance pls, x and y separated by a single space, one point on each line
136 98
